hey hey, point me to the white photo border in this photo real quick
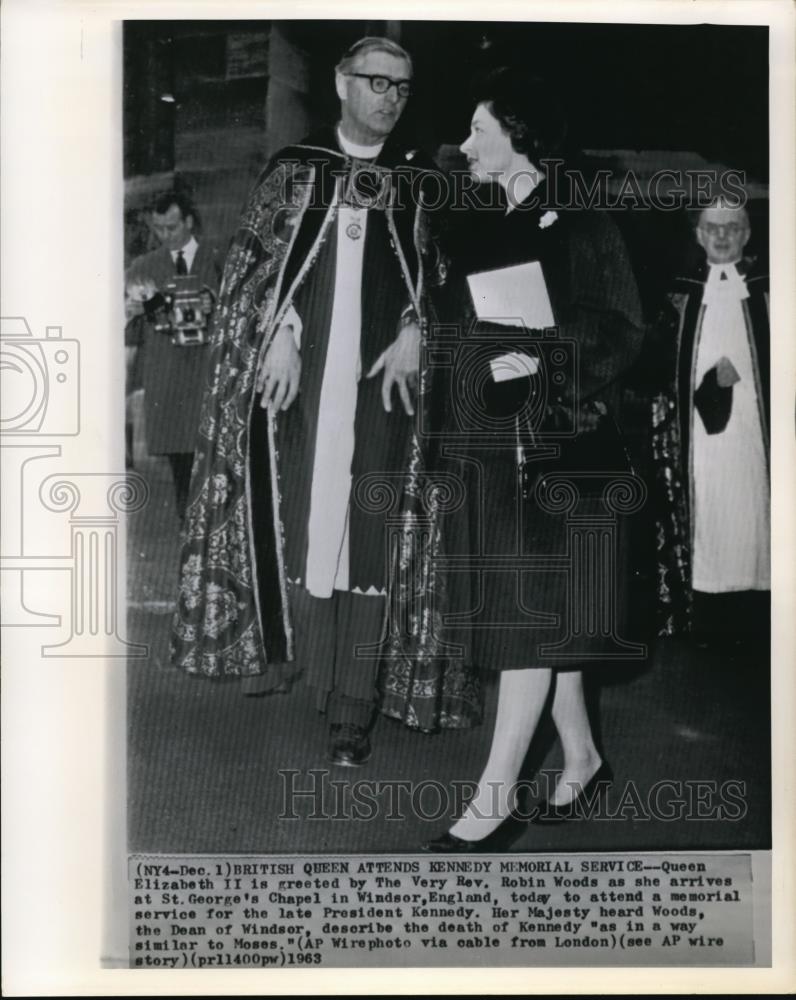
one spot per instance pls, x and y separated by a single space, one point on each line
63 719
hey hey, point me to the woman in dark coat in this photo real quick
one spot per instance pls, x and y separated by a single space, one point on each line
519 428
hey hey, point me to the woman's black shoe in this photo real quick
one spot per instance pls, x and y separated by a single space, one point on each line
449 843
496 842
596 786
499 840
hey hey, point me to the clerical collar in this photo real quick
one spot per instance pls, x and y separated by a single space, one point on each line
724 273
354 148
731 265
724 283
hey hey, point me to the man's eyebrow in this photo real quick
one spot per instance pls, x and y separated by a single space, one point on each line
392 79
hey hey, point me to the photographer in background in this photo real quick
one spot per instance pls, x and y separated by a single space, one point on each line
170 294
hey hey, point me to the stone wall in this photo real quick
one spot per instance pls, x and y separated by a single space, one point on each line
217 100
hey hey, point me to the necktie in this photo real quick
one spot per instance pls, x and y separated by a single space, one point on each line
180 267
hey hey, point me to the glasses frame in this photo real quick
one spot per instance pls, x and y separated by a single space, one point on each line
722 228
403 88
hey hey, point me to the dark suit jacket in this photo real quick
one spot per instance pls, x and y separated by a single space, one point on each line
173 377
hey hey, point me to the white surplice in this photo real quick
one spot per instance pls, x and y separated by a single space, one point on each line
327 543
731 490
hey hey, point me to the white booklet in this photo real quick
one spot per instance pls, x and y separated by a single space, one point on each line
509 294
513 365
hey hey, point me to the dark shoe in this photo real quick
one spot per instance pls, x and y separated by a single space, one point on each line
499 840
349 745
282 688
596 786
449 843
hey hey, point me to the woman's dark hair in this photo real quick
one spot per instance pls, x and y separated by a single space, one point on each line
527 109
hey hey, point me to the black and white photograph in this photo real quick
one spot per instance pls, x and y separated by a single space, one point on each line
459 501
434 567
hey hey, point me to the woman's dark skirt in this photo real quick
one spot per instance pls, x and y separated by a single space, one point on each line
541 563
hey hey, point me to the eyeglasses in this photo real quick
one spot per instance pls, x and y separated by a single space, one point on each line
719 228
381 84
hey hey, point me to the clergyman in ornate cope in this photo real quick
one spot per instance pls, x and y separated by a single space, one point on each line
312 390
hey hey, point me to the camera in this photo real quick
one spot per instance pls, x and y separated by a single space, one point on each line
180 311
41 380
500 381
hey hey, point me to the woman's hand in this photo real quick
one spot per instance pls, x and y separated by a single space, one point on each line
280 373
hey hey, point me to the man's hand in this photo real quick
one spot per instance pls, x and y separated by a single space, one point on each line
400 362
135 295
726 375
280 373
207 300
